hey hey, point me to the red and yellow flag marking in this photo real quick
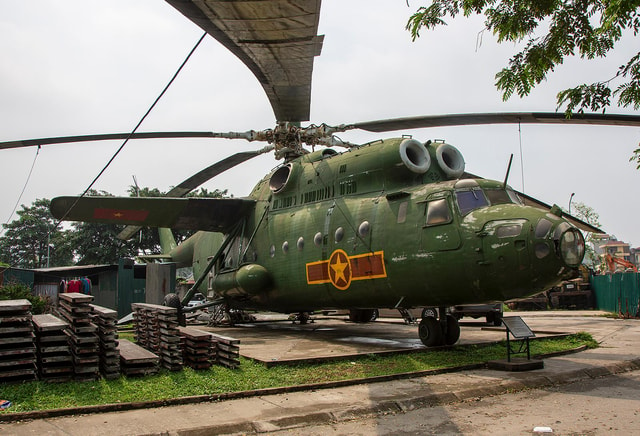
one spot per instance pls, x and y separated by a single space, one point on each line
120 214
341 269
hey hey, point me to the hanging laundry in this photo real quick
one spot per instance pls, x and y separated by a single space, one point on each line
74 286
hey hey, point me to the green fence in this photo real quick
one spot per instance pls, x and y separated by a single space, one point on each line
619 293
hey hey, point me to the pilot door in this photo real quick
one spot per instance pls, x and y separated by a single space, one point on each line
438 223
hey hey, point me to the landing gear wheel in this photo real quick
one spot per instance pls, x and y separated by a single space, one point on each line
494 318
453 331
172 300
363 315
302 318
430 311
497 320
430 332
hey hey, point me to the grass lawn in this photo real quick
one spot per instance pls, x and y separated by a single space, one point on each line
30 396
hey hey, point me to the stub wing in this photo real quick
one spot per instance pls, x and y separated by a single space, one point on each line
209 214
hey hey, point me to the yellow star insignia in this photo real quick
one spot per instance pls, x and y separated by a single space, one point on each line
340 270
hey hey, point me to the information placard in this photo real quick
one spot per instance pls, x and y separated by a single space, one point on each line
517 327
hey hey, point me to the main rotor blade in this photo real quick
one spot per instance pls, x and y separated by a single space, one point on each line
495 118
277 40
198 179
102 137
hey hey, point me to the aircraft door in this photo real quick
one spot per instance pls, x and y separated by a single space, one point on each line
439 226
504 245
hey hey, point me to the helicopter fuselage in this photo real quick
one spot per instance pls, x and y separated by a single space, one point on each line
381 226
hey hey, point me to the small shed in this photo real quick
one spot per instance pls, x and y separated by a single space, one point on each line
113 286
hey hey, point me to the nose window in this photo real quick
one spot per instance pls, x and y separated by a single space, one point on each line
469 200
543 227
572 247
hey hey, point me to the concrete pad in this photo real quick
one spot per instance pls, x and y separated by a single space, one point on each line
275 340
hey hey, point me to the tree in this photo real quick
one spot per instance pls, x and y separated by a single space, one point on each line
97 244
589 216
33 241
552 30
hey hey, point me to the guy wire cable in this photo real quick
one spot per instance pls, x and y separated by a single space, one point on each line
33 164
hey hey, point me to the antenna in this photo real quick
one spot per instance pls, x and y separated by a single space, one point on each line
506 176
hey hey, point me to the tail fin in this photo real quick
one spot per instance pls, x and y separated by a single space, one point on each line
167 240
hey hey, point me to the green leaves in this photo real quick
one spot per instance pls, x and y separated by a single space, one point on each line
585 28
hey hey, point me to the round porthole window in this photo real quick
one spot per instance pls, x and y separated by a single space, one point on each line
339 235
285 247
272 251
364 229
317 239
300 243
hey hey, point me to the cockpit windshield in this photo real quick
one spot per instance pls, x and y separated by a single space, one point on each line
472 198
469 200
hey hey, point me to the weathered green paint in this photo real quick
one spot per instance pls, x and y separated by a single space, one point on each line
383 225
463 260
618 293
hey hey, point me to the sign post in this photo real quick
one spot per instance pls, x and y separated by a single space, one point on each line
516 327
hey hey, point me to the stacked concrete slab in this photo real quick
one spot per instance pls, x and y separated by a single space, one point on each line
198 348
137 361
106 320
17 345
227 351
156 329
55 363
75 308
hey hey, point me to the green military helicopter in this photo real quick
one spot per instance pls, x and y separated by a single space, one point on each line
395 223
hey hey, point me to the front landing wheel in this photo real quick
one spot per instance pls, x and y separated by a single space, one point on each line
430 332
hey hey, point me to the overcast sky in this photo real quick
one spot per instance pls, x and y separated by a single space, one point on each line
87 66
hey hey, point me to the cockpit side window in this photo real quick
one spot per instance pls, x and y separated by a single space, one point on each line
514 197
502 196
438 212
469 200
498 196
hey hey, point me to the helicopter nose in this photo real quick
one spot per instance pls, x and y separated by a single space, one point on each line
567 242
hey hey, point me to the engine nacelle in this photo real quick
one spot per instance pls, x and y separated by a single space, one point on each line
449 160
247 280
414 156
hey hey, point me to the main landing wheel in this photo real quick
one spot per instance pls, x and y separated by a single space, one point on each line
363 315
430 332
433 333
